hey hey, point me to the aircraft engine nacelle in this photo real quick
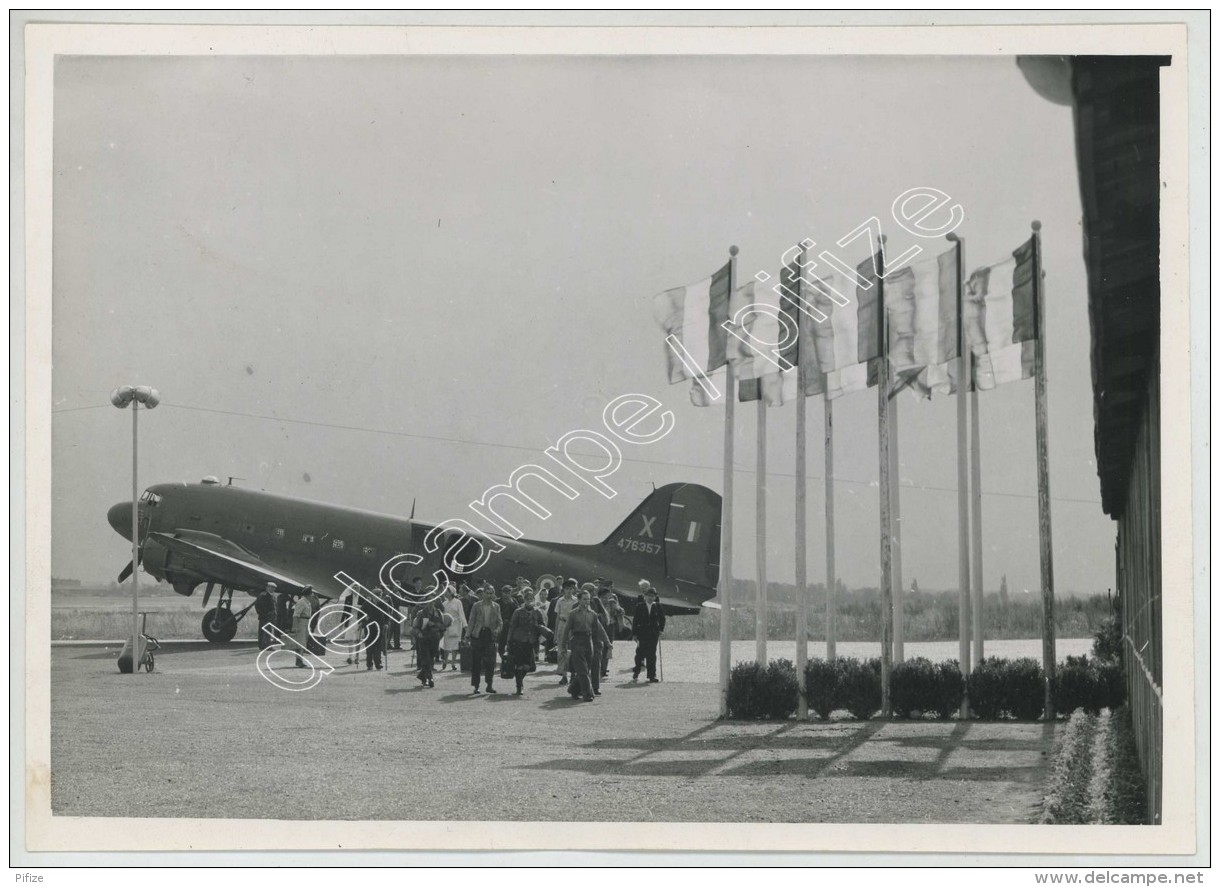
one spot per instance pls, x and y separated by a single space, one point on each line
161 564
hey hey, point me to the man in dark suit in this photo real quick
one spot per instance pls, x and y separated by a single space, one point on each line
646 628
264 606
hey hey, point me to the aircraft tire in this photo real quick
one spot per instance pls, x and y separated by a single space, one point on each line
219 625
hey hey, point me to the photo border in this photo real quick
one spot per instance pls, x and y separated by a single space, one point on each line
32 481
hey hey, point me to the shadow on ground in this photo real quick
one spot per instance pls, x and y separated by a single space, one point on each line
958 751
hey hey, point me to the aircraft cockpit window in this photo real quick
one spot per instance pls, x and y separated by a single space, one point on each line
337 544
150 498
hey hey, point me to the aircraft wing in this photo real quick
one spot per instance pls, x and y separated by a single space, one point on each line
227 568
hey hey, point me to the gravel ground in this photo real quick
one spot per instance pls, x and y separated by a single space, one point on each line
217 740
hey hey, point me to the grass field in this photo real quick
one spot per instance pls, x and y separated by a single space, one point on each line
97 616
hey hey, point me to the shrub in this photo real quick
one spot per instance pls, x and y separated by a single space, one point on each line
745 700
1076 686
1024 689
821 686
913 687
985 688
780 689
859 687
759 693
1108 640
1111 688
950 688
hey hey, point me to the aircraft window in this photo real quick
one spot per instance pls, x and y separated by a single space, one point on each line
308 537
279 532
150 497
337 543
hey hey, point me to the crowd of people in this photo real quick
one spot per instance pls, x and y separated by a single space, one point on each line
573 625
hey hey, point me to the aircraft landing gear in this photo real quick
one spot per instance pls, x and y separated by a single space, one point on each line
219 623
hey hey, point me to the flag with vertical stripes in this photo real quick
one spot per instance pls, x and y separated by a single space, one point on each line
921 315
695 338
771 350
1000 317
848 341
796 373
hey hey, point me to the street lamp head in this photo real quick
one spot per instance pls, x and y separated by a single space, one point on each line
150 397
122 396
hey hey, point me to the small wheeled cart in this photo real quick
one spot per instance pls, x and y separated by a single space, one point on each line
148 646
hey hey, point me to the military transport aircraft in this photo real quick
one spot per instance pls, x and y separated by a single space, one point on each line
241 539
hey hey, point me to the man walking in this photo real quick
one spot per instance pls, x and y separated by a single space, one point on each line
579 630
486 623
647 626
377 628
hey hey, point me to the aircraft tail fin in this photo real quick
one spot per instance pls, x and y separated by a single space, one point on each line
675 532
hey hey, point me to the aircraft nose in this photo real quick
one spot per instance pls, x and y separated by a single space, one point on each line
119 517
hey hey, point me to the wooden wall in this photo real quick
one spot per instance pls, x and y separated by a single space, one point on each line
1139 583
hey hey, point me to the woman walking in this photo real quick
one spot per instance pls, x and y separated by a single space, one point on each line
430 628
564 607
452 641
524 629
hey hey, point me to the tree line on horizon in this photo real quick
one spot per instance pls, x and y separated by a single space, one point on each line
929 615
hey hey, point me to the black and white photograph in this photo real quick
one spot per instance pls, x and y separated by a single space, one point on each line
609 439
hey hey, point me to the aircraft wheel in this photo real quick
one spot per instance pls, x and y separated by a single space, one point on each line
219 625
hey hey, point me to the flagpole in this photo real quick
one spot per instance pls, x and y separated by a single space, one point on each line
831 580
976 524
883 460
1044 479
760 542
963 491
896 533
726 514
802 590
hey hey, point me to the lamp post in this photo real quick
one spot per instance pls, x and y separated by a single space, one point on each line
121 397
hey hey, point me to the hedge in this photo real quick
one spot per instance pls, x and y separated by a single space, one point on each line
997 688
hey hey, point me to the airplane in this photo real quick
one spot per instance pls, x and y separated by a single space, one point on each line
241 539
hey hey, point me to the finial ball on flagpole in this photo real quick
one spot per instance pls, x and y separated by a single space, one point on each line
951 237
1036 225
733 250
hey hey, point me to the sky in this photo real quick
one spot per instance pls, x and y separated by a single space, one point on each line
379 281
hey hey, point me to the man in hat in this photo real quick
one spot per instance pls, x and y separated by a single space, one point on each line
264 606
646 627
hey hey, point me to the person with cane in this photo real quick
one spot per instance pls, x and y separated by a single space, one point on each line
647 626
